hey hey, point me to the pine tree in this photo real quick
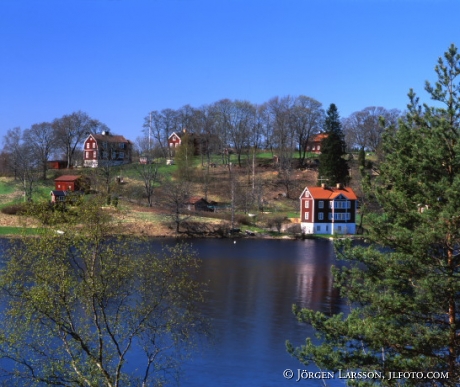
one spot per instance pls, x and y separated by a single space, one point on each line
404 288
332 164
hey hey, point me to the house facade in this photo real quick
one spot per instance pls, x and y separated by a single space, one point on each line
70 183
314 144
328 210
106 149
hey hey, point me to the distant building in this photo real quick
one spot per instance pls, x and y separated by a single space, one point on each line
196 203
57 164
314 144
71 183
327 210
106 149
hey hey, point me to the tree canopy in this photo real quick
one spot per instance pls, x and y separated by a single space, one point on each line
404 287
79 302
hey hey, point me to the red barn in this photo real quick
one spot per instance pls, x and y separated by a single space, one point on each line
69 183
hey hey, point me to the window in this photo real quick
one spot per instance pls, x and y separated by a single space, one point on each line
122 145
87 155
320 216
321 204
121 155
307 216
87 145
330 216
94 154
342 216
318 147
318 228
94 145
307 204
61 198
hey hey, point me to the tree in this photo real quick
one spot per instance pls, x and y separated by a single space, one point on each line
364 129
149 176
78 304
174 198
404 287
332 165
185 156
40 137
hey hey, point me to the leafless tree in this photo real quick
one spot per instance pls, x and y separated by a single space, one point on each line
41 139
12 148
363 129
174 198
307 118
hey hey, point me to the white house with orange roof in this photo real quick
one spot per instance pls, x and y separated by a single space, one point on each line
328 210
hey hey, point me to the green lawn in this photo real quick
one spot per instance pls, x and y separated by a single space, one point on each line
19 231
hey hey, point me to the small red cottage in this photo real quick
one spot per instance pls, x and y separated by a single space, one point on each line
328 210
69 183
314 144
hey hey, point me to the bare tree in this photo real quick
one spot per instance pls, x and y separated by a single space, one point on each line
306 119
174 198
364 129
12 143
150 176
40 138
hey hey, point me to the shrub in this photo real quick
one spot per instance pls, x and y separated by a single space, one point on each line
14 209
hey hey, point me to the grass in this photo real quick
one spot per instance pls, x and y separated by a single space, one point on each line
7 230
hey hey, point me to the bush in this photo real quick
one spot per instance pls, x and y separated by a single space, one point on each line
14 209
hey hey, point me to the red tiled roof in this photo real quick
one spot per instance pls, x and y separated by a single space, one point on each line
319 137
331 193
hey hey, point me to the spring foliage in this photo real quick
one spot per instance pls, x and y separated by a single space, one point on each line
78 303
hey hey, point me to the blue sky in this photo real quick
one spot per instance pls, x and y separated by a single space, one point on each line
119 59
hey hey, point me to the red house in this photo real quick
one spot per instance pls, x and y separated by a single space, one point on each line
314 144
69 183
328 210
174 140
106 149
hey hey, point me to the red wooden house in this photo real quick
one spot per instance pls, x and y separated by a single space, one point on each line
106 149
69 183
328 210
314 144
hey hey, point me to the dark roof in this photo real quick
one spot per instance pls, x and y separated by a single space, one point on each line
58 193
110 138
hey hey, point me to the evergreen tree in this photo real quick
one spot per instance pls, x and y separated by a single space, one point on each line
404 288
332 165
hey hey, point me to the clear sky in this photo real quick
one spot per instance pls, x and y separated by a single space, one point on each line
119 59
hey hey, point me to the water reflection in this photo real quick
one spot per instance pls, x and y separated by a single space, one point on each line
253 285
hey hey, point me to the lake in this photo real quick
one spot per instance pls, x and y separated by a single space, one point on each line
253 284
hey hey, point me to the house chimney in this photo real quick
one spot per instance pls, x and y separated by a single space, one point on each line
323 185
339 186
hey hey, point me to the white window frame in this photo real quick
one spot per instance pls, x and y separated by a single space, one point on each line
307 216
321 204
307 203
320 215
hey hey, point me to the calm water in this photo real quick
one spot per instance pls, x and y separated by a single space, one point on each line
253 285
